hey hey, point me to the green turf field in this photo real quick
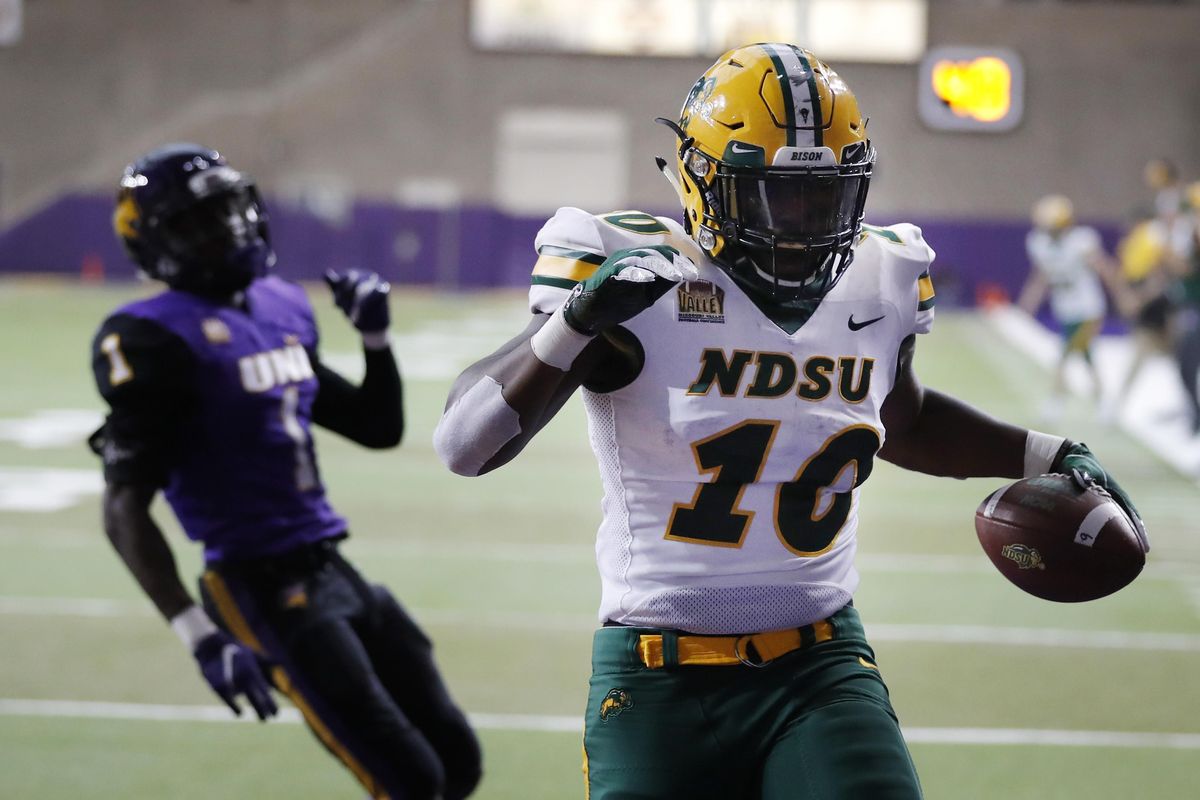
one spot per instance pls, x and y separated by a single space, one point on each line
1002 695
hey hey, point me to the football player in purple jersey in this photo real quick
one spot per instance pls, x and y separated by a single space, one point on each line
213 387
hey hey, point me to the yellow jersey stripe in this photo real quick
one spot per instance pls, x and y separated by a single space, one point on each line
925 293
925 287
563 264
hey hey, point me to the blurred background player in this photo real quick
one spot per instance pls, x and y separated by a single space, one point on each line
1140 254
1068 262
1183 262
739 374
1162 178
1159 266
213 387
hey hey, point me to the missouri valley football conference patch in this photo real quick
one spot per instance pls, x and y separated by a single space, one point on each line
701 301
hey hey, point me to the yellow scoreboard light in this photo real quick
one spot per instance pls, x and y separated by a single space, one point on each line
971 89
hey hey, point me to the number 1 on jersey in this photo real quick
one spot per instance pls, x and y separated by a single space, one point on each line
735 457
119 370
306 471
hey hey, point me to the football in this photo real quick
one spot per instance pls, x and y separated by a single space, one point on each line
1057 540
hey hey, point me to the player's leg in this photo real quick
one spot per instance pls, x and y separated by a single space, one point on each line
1082 343
646 735
848 749
841 739
318 661
1187 356
1145 343
1054 405
402 656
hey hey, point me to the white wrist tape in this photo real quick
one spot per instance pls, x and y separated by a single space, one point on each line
192 625
475 427
1040 450
375 340
557 344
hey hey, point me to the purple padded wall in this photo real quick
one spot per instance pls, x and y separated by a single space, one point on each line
470 247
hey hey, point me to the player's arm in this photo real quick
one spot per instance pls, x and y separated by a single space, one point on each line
139 370
497 405
1109 271
931 432
142 547
372 413
1033 292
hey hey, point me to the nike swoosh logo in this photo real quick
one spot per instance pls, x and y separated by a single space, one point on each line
858 326
737 148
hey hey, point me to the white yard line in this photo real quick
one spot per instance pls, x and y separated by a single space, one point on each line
1034 637
19 606
80 709
577 554
1041 737
994 635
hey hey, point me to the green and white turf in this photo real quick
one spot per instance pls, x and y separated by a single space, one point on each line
1002 695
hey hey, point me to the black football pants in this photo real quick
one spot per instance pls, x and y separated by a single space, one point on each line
357 667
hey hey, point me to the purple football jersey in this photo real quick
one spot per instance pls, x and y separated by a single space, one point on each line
245 479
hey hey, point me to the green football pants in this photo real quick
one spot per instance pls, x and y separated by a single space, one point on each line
815 724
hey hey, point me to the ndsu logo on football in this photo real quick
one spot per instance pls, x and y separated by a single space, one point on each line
701 301
1023 556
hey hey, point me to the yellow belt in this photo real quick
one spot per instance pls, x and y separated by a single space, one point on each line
751 649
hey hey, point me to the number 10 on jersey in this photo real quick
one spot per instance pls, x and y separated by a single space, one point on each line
736 456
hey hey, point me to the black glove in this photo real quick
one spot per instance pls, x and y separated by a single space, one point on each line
232 669
363 298
626 284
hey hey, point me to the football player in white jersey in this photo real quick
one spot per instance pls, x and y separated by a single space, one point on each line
1068 262
740 372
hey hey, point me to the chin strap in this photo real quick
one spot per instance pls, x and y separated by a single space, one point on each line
728 230
661 163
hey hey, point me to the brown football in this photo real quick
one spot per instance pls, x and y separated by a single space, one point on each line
1058 541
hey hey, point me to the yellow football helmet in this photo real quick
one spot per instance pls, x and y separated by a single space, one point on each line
774 165
1053 213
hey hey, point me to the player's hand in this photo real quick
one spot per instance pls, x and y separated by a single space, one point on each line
1077 461
363 296
627 283
232 669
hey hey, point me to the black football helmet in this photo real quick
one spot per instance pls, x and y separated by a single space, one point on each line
190 220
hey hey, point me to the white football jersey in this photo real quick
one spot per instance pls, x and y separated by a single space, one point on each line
731 464
1076 294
